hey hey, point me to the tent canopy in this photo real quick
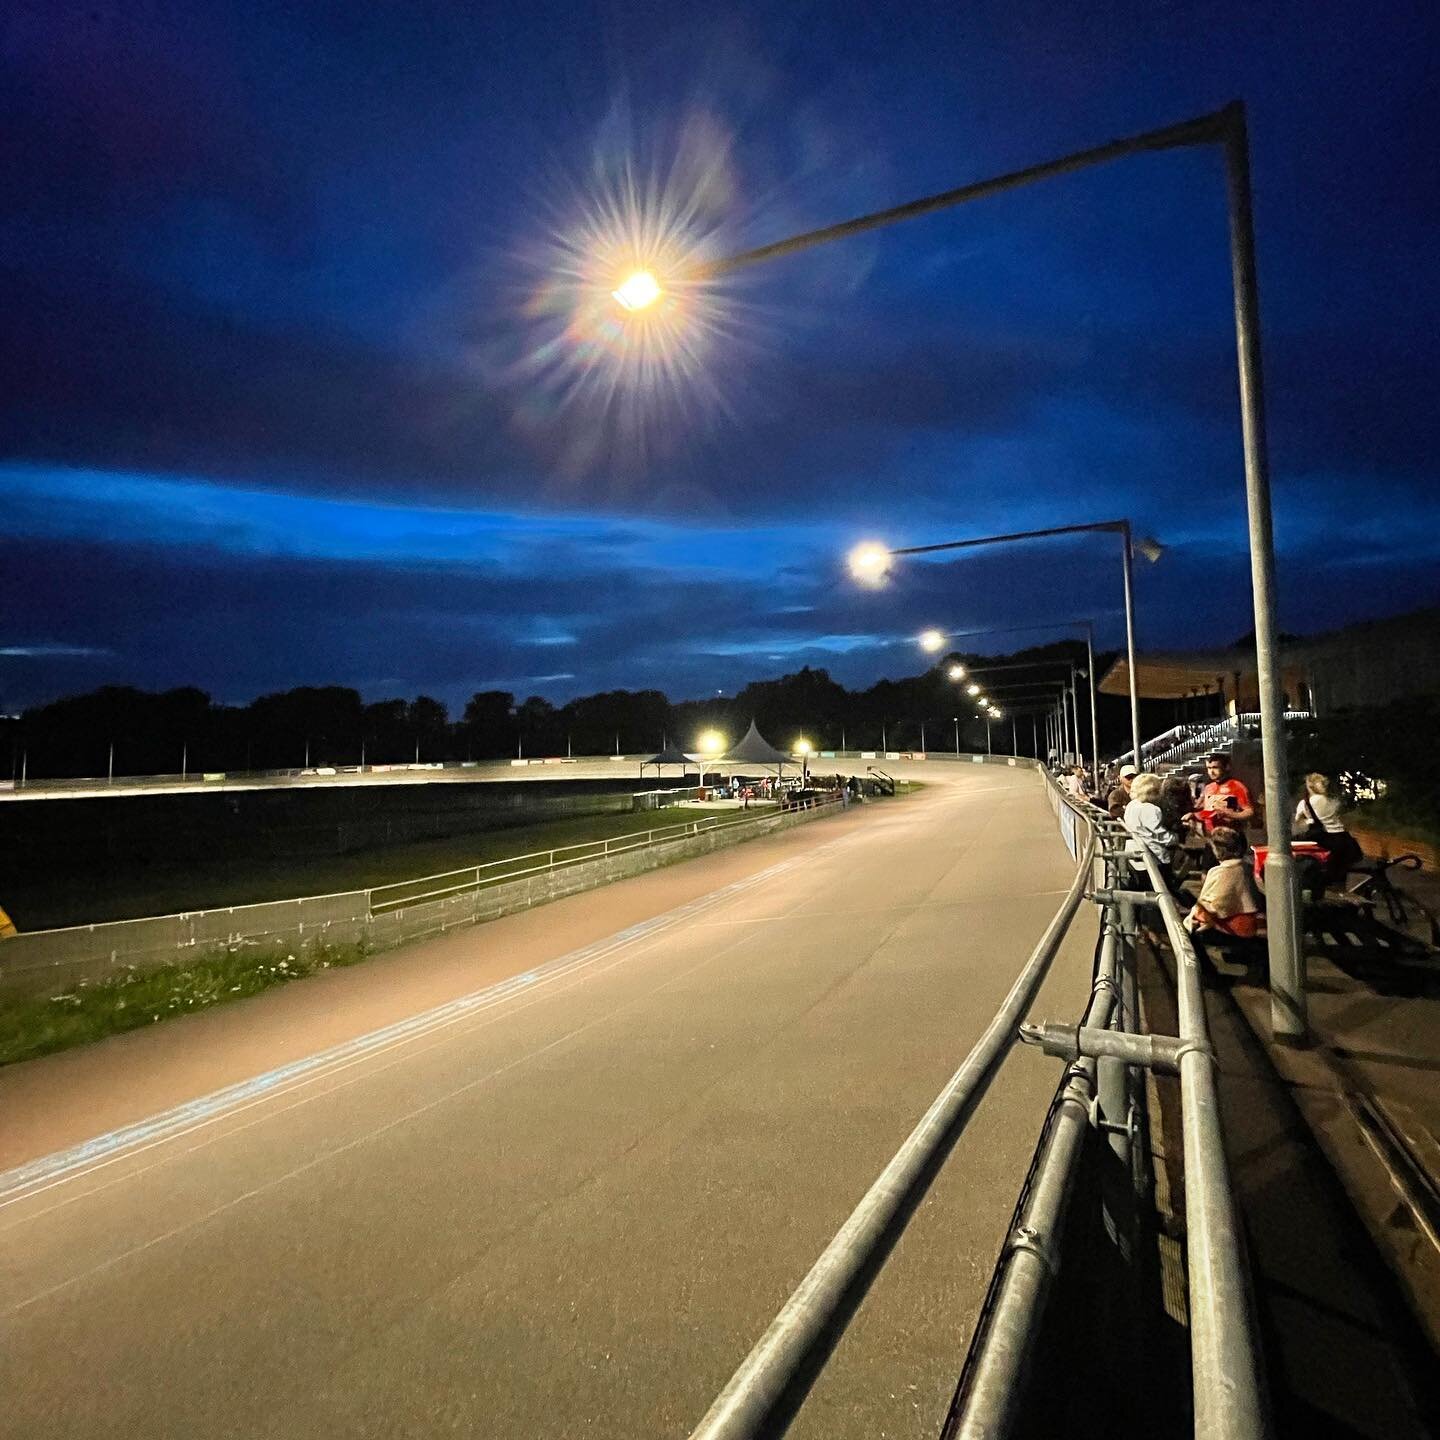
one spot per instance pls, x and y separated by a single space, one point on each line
671 757
755 749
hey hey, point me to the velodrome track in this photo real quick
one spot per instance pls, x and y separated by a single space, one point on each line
591 767
551 1176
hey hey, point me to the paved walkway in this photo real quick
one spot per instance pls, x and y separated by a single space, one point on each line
1369 1083
567 1198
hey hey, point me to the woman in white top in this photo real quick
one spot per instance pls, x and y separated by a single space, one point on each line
1317 818
1145 820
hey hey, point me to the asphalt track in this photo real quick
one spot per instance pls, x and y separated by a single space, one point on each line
552 1176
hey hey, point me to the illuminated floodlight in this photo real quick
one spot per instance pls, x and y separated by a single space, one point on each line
711 742
870 562
956 672
638 291
932 641
996 711
803 747
972 688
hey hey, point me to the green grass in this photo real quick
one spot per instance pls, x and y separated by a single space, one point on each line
135 998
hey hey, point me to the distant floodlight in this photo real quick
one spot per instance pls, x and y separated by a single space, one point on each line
638 291
972 688
711 742
931 641
998 714
870 562
956 672
1149 547
802 747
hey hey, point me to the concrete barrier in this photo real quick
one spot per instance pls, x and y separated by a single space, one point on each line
52 962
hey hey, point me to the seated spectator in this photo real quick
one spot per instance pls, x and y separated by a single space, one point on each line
1073 782
1227 902
1317 819
1224 800
1146 822
1119 797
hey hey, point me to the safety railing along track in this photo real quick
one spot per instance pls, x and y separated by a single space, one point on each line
1100 1089
399 894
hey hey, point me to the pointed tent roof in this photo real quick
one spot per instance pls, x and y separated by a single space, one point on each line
755 749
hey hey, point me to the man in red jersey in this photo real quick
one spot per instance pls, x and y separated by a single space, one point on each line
1224 800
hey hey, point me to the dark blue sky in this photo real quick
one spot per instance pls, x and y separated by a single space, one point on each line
294 390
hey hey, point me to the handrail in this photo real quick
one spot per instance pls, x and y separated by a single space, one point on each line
1223 1348
474 879
1225 1379
814 1312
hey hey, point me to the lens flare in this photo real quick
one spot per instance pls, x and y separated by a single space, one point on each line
627 343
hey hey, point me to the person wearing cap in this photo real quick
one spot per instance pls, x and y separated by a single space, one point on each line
1119 797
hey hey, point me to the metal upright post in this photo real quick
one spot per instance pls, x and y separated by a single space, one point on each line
1094 725
1127 567
1014 736
110 777
1035 736
1287 975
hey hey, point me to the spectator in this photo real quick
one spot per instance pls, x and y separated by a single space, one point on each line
1224 800
1317 818
1119 797
1227 900
1176 800
1074 782
1146 822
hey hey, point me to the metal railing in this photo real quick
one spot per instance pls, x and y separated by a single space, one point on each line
381 899
1188 742
1100 1088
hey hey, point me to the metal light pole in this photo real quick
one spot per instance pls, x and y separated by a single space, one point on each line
1287 968
1225 128
957 735
1120 527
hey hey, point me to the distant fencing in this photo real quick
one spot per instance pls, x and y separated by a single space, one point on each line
52 962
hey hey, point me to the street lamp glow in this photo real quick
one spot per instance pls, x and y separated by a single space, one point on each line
638 291
932 641
711 742
956 672
870 562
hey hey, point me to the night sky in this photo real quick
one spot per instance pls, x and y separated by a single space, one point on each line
295 391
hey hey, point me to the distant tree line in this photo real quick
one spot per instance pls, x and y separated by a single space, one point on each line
332 725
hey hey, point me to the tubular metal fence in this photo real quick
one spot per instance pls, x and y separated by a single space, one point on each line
383 898
1101 1089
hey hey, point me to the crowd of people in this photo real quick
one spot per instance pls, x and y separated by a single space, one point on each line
1194 827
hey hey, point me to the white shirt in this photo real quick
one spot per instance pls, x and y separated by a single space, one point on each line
1327 812
1146 822
1074 786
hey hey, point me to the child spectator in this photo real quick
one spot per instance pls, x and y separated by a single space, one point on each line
1227 902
